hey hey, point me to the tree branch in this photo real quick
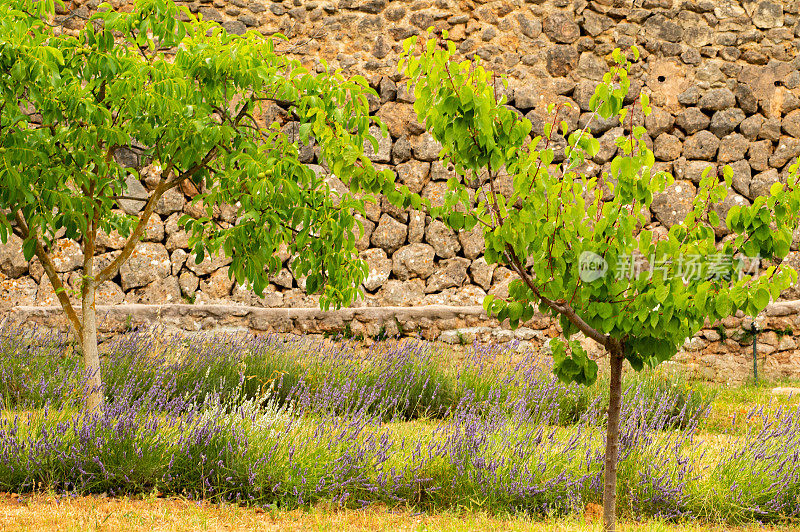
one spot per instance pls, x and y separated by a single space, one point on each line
127 250
50 270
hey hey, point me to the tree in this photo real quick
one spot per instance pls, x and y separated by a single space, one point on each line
573 239
189 97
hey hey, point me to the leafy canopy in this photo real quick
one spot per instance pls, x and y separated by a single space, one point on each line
191 99
558 215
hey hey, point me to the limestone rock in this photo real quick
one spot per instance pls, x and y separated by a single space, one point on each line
443 239
12 261
733 147
210 264
400 119
667 147
481 273
218 285
154 230
751 126
722 209
159 292
692 120
742 175
389 235
396 293
472 242
702 145
671 206
561 28
426 148
172 201
416 226
693 171
414 174
725 122
67 255
450 273
759 154
717 100
659 121
380 266
134 189
149 262
787 149
413 260
435 192
188 283
384 153
768 15
18 291
561 60
791 124
761 183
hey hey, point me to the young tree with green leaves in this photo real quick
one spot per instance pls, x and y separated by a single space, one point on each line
191 95
565 234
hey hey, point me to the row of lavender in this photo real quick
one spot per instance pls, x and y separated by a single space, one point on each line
271 421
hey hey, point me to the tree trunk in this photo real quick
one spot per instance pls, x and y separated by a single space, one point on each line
91 357
612 440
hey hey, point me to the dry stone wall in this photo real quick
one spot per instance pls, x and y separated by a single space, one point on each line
722 75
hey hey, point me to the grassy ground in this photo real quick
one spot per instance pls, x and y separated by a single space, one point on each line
47 512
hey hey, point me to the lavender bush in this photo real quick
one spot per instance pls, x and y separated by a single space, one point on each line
270 420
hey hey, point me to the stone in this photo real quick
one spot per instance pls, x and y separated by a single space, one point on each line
362 237
732 147
66 255
416 226
413 260
595 23
19 291
501 279
770 129
791 124
717 100
761 183
481 273
109 293
435 192
591 67
667 147
751 126
529 27
389 235
561 28
742 175
283 278
659 121
472 242
693 170
148 263
787 149
561 60
692 120
133 189
768 15
702 145
384 152
450 273
414 174
401 151
218 285
177 260
722 208
663 28
690 96
725 122
671 206
745 99
758 155
210 263
159 292
396 293
608 148
400 119
443 239
12 261
172 201
154 230
426 148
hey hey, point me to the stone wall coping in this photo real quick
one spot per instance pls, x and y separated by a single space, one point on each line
781 308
